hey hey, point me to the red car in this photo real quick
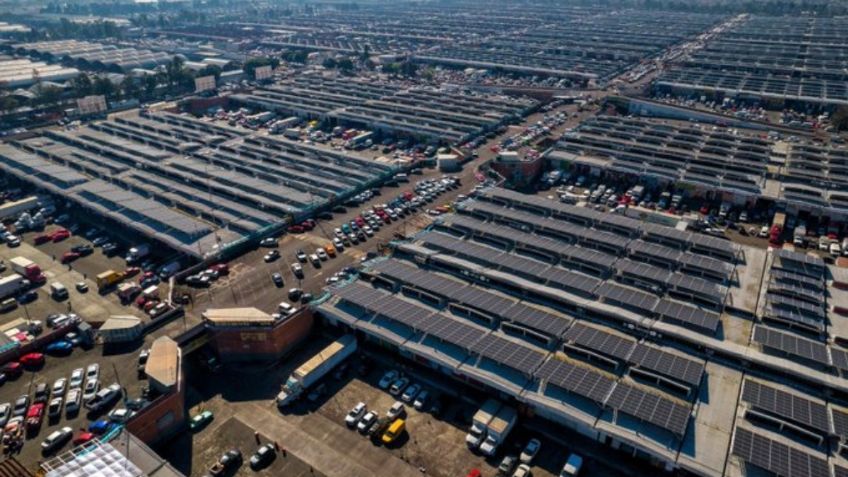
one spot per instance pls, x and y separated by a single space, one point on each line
359 221
82 438
474 473
296 229
43 239
32 359
145 276
34 416
305 225
141 301
60 235
132 271
69 257
150 304
705 210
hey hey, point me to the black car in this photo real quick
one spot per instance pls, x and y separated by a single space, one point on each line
295 294
42 393
263 456
306 298
277 278
82 249
27 297
227 463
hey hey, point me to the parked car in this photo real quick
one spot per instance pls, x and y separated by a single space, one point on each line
56 439
263 456
226 464
398 386
201 420
32 359
353 416
366 422
530 451
410 393
388 378
397 410
72 401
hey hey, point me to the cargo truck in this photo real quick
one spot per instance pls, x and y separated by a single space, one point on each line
137 253
799 236
777 225
28 269
13 209
311 371
480 423
108 278
498 429
12 285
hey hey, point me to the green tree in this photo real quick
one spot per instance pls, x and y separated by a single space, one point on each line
329 63
82 85
150 84
840 118
8 104
345 64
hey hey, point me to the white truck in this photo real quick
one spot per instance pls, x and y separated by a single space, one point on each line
169 269
12 285
137 253
799 236
498 429
480 423
13 209
311 371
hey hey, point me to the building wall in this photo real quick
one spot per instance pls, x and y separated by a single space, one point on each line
519 174
245 343
163 418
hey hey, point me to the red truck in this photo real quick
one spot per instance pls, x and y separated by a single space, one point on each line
28 269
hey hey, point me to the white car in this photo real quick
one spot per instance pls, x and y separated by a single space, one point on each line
56 439
77 378
59 387
90 390
322 254
366 422
523 470
572 466
5 412
387 379
338 244
368 231
396 410
530 451
355 414
120 415
285 309
72 401
92 372
297 269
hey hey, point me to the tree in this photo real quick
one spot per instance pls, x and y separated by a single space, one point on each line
345 64
209 70
103 86
329 63
82 85
48 96
8 104
366 53
150 84
840 118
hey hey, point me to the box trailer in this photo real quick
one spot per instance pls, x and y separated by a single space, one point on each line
498 429
15 208
480 423
12 285
311 371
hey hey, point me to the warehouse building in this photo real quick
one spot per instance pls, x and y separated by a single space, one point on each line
23 73
786 61
188 184
94 56
249 334
627 332
426 114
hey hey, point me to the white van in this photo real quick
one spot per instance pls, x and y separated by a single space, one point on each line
58 291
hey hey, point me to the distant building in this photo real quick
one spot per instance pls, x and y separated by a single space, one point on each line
518 171
166 413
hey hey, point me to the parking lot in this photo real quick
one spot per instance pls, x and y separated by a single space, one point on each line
314 432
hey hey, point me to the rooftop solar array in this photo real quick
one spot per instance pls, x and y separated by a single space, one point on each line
687 316
794 58
791 344
786 405
669 364
714 158
777 457
444 115
509 353
580 380
650 407
598 340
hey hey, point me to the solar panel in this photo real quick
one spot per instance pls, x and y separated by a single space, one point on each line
637 299
787 405
793 318
697 286
402 311
593 258
452 331
799 263
840 358
579 380
649 407
705 265
517 356
483 300
840 422
791 344
596 339
785 276
642 271
422 279
796 291
536 319
777 457
800 306
688 316
713 245
570 281
666 255
672 365
360 295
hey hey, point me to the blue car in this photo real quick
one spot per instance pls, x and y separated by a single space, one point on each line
61 347
100 426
